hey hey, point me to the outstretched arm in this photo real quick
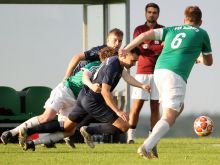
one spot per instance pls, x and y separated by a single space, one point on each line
107 95
132 81
149 35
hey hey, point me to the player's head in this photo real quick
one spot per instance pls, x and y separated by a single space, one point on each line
152 12
193 16
106 52
130 58
114 38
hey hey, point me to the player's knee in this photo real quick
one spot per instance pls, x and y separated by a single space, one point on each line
124 127
44 118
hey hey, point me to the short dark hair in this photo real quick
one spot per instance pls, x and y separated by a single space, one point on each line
154 5
193 14
136 50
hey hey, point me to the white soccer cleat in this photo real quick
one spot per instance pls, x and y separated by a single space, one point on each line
145 154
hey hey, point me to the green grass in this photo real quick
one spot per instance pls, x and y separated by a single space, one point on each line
172 151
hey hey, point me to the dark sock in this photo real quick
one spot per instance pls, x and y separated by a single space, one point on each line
86 121
49 127
103 128
133 126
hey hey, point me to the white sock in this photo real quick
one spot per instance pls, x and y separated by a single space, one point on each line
131 134
52 137
159 130
29 123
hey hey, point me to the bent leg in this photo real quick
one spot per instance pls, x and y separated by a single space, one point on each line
48 115
121 124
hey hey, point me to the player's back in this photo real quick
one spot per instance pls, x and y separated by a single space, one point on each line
183 44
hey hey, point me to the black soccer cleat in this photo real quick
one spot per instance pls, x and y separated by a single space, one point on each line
49 145
69 142
29 145
5 137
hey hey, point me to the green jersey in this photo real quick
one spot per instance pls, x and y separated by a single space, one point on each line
75 82
182 46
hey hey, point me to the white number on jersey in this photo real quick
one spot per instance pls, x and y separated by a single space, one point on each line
177 40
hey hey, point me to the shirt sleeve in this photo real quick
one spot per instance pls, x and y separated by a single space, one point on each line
206 46
158 34
111 73
92 54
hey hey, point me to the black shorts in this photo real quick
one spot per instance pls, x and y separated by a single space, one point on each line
87 104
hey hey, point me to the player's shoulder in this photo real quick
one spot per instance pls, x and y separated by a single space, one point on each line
97 48
203 30
159 26
141 28
111 60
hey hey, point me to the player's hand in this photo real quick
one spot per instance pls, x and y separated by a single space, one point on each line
96 88
123 115
146 87
199 59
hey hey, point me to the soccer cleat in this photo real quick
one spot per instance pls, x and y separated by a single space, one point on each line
139 150
130 141
49 145
142 152
22 136
154 151
5 137
87 137
29 145
131 136
69 142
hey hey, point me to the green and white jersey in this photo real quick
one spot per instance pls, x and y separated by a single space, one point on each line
75 82
182 46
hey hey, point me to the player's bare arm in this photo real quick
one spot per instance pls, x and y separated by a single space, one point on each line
132 81
87 81
73 63
149 35
205 59
107 95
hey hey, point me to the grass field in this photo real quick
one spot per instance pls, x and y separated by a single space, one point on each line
172 151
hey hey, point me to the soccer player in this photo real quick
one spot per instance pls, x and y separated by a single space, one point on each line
150 51
182 47
114 40
100 106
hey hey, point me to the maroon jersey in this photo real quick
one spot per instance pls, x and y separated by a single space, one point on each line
150 50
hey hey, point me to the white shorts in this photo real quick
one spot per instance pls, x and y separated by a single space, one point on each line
61 100
139 93
171 87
